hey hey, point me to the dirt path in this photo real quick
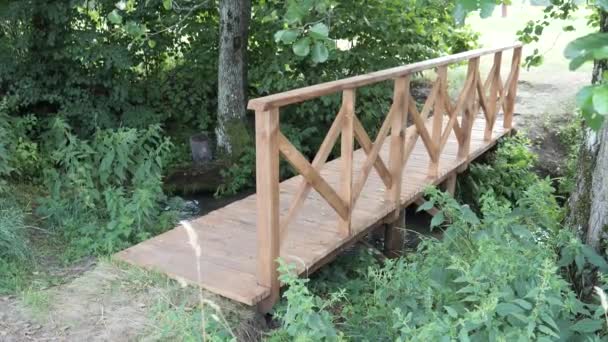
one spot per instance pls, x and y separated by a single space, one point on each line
88 308
545 104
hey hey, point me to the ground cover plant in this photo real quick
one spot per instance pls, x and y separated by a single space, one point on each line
507 272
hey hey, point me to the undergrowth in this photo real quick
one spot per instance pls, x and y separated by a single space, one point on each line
106 193
503 273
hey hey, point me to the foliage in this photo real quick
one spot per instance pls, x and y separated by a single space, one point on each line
106 193
592 100
391 33
507 174
556 10
570 137
15 252
107 64
304 317
13 240
511 272
491 277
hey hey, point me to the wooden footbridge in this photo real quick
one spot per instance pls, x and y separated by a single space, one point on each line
364 188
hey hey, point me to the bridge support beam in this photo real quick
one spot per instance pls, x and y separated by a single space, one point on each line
394 236
449 185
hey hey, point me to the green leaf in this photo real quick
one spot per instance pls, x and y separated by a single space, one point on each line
114 17
463 7
468 215
521 231
568 28
587 48
523 303
603 4
294 13
427 205
151 43
545 329
438 219
486 9
594 258
302 47
547 319
504 309
319 31
579 260
168 4
319 52
451 311
286 36
600 99
587 325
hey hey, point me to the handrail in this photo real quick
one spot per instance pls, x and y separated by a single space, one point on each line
488 96
321 89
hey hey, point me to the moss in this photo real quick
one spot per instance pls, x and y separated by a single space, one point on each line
578 214
239 137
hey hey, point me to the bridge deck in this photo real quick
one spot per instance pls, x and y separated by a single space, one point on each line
227 236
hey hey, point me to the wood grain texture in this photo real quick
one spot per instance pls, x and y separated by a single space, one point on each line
267 202
228 235
352 194
346 157
311 92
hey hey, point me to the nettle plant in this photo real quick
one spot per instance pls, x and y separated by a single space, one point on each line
493 276
507 173
106 193
506 271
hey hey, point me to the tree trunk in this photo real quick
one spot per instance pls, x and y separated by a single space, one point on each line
232 75
588 204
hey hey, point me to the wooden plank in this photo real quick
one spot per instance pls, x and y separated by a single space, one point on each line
401 96
299 162
267 192
227 234
394 236
311 92
450 184
346 158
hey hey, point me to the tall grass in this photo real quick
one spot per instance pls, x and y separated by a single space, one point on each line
13 241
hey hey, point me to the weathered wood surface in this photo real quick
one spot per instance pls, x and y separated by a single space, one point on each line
311 92
228 235
353 193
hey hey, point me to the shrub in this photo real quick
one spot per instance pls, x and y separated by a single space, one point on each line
508 172
106 193
493 276
511 272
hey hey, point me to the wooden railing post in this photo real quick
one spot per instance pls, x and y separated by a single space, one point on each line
468 117
512 91
397 141
438 112
346 145
394 236
267 191
492 108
